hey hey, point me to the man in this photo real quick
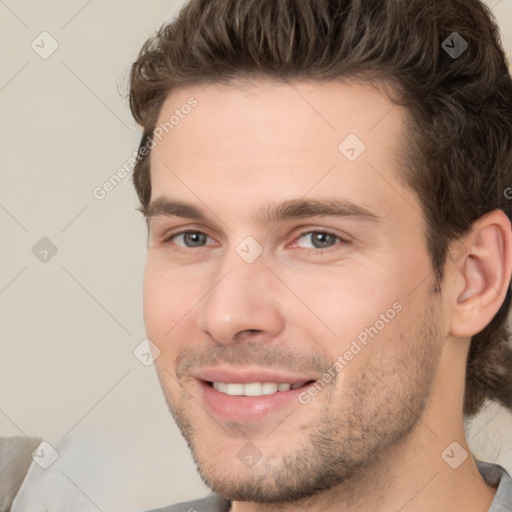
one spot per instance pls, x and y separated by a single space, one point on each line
330 250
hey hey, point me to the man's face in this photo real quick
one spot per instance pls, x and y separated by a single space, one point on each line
337 305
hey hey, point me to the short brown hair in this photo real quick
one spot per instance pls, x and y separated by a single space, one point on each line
460 106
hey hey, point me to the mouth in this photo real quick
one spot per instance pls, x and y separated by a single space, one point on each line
249 396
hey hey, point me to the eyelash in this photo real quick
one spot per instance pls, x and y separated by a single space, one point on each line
316 252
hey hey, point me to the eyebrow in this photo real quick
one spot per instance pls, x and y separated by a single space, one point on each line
270 213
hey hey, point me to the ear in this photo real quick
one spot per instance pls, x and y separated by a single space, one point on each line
480 274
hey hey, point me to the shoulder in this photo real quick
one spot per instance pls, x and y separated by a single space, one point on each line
498 477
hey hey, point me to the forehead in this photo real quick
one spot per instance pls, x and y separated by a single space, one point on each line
278 139
273 115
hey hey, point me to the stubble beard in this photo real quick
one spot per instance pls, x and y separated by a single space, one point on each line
361 423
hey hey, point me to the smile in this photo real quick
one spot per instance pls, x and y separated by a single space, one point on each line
255 388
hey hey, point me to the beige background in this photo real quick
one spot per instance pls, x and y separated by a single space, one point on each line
69 325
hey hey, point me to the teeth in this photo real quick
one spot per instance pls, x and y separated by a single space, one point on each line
252 389
255 388
235 389
220 386
268 388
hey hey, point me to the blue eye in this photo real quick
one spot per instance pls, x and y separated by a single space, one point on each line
320 239
320 242
190 238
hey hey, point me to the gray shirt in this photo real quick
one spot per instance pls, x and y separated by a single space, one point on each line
15 459
493 474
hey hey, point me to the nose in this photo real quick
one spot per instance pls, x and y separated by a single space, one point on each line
243 303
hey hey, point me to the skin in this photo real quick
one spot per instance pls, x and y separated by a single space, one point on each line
373 438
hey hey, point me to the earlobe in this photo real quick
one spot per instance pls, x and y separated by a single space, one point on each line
482 274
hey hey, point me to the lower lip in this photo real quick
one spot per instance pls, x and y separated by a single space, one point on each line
246 408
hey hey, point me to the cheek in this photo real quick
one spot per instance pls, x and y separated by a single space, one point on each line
170 306
373 325
165 303
161 317
347 309
155 305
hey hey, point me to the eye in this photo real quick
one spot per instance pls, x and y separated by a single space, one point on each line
189 239
320 240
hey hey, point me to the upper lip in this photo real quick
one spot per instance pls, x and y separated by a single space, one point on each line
244 376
